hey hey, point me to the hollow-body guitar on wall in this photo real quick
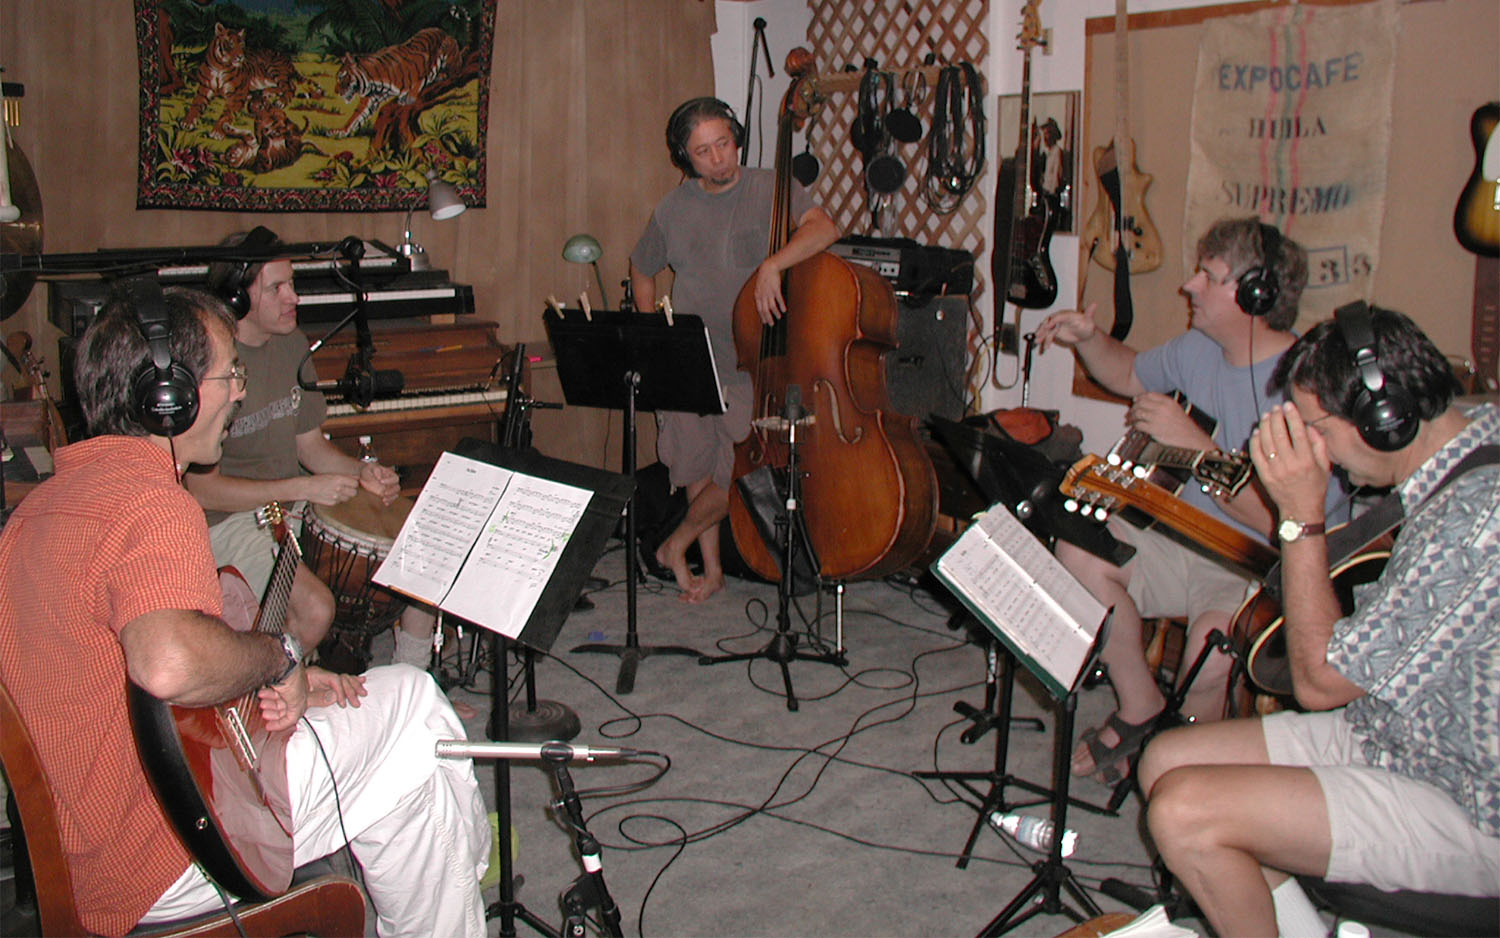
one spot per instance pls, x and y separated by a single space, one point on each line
1120 235
219 774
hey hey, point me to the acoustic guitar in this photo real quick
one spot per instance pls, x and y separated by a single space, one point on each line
219 774
1256 626
1095 486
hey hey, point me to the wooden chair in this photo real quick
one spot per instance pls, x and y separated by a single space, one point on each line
326 905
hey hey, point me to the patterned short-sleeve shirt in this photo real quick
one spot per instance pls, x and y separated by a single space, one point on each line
1424 640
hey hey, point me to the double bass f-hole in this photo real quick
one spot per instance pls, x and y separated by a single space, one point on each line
822 384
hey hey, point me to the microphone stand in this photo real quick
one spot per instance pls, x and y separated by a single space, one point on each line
757 45
588 890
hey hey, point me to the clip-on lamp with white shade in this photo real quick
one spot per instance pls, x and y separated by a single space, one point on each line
585 249
443 202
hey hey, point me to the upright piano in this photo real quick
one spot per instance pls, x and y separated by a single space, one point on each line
454 387
423 325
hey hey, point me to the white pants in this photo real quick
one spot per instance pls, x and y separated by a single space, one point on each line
416 823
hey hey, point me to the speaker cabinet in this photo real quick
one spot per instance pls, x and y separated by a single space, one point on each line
925 375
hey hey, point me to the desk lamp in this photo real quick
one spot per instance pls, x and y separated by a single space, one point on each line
584 249
443 202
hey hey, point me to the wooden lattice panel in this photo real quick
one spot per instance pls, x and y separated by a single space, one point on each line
898 34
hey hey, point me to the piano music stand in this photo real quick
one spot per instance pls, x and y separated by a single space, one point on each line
631 362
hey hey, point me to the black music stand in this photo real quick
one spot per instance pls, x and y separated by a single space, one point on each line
631 362
611 493
1041 615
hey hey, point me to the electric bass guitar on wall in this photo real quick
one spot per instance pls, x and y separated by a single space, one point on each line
219 775
1029 276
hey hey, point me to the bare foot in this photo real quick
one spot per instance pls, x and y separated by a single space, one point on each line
464 711
707 586
677 563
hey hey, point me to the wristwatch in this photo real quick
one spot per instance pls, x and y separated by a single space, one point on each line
293 651
1291 530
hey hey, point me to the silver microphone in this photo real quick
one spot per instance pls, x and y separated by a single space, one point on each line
553 749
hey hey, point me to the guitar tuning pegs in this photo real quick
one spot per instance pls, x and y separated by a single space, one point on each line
1140 472
1100 514
1071 505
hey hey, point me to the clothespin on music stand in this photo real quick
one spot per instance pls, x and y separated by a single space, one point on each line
556 306
665 305
583 303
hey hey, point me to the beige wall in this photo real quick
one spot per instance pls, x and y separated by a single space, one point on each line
579 94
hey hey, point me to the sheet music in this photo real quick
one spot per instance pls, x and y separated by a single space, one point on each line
482 541
516 553
1021 589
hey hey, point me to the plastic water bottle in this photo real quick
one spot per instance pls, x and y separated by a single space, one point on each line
367 450
1033 832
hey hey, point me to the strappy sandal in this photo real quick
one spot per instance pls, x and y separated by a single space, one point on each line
1112 762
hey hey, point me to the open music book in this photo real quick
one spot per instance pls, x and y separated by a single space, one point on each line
1024 596
482 541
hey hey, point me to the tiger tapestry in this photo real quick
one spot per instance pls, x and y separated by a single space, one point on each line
311 105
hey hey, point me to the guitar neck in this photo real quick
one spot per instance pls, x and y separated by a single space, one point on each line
273 605
1094 480
1122 75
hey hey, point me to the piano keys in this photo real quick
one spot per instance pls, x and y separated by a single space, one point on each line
327 291
454 387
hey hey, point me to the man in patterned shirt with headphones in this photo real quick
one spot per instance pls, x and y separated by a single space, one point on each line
1392 777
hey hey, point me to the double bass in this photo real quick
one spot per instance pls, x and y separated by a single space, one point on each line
869 492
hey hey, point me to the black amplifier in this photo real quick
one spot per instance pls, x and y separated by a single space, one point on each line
911 268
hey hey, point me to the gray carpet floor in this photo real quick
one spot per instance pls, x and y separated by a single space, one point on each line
757 820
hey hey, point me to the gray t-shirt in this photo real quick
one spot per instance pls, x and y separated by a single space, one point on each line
262 441
1236 397
713 242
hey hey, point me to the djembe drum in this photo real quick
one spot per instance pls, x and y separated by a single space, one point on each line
344 545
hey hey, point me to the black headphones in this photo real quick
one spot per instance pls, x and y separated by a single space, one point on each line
163 393
687 116
1384 412
234 285
1259 287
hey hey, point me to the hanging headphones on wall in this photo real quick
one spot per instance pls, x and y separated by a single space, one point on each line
163 393
1259 287
1384 412
686 117
234 286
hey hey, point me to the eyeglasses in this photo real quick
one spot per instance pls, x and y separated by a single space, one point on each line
237 373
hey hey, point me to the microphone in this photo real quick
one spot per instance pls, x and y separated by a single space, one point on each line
553 750
360 385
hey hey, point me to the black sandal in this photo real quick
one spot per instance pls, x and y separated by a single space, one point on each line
1108 759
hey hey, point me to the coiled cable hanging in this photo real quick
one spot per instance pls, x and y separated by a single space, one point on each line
956 143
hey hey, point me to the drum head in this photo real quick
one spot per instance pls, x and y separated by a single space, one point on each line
364 514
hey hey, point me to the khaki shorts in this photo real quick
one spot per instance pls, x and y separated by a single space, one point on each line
1170 580
1388 830
694 448
239 542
